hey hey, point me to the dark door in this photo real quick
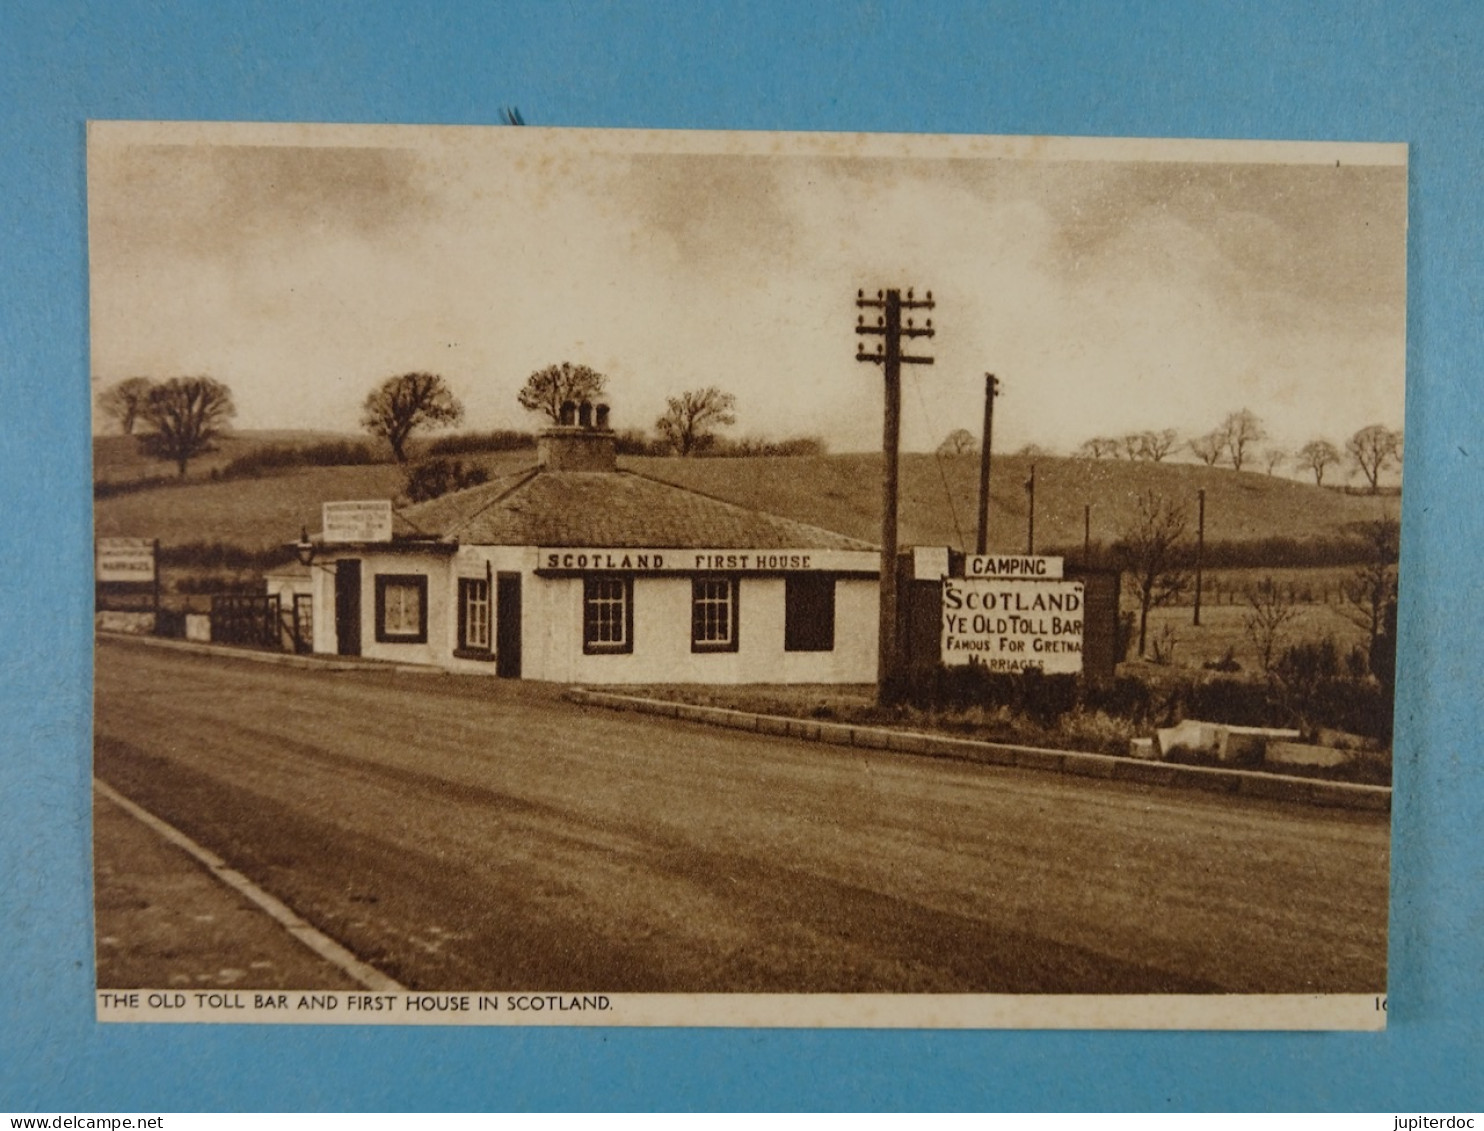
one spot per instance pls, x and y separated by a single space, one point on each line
507 625
348 607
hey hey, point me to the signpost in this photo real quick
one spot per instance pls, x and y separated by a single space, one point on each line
1009 625
125 559
126 567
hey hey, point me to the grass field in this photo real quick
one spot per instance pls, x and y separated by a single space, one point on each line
118 458
837 492
255 513
1224 626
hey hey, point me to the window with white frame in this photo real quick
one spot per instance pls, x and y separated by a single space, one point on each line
474 614
608 613
401 608
713 614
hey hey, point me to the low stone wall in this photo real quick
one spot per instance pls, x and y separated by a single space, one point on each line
127 623
1246 783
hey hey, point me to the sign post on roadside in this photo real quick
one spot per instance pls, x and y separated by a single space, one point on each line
1011 624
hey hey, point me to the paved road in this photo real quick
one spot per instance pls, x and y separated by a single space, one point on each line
466 833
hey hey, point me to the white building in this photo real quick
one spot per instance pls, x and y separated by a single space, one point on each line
575 571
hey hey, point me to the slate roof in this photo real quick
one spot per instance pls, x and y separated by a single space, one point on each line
608 508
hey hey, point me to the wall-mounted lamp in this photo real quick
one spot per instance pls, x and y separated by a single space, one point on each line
304 548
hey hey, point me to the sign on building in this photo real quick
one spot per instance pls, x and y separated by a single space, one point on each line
703 560
367 520
125 559
1011 625
1013 565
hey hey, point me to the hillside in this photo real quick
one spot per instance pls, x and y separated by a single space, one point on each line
117 458
254 513
839 492
939 497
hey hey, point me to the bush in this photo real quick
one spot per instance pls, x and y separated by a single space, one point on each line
721 447
495 440
1227 663
438 476
1274 552
280 457
111 488
223 556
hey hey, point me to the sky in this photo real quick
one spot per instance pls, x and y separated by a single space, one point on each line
1111 286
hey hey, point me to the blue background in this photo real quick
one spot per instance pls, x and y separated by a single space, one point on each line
1356 71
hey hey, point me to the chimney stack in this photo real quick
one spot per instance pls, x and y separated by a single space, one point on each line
581 440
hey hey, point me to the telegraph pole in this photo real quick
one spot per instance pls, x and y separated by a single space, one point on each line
1030 513
1200 550
889 326
991 390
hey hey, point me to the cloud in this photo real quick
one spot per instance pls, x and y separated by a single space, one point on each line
1106 295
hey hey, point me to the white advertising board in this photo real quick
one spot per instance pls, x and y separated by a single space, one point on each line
1011 625
125 559
366 520
1013 565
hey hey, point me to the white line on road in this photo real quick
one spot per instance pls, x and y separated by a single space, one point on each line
322 945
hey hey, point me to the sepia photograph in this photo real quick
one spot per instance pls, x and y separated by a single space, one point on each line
615 577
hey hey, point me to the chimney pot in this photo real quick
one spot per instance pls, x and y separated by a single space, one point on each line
566 414
585 415
602 417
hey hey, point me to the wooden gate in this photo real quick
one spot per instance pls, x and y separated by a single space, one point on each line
247 619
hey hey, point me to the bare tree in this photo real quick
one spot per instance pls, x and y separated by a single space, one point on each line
1099 447
122 402
1239 432
1151 551
1131 445
1372 588
547 389
691 420
1160 444
1317 455
400 405
1270 610
958 442
1209 448
1031 451
183 416
1273 457
1374 449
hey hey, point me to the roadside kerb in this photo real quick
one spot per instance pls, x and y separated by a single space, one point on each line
263 656
1245 783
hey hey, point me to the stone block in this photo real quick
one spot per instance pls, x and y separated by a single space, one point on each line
1302 754
198 627
135 624
1246 746
1188 734
1142 748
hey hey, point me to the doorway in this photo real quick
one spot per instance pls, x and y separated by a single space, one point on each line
507 625
348 607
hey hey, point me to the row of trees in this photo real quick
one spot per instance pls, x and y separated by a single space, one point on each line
1238 442
181 418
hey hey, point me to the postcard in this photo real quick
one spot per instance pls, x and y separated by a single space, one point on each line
624 578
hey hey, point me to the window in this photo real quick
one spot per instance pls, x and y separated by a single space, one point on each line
401 608
713 614
474 618
607 614
808 613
